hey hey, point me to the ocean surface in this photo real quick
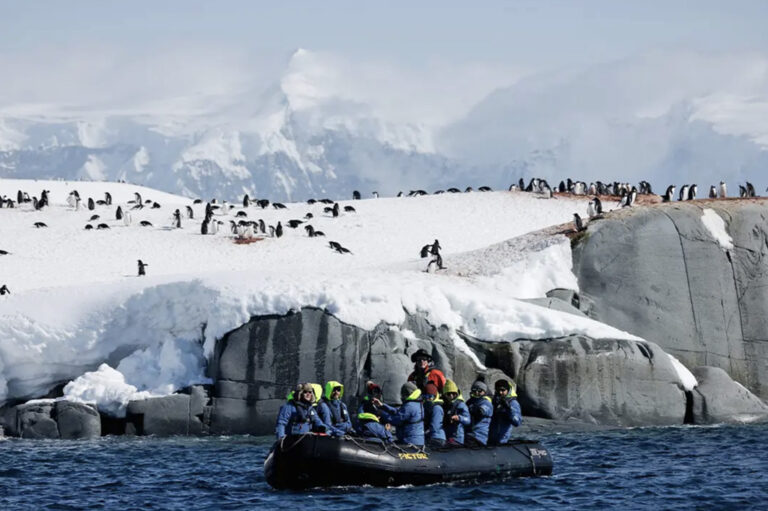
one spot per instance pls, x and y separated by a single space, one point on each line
719 467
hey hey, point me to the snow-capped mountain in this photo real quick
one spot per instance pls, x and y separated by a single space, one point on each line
659 117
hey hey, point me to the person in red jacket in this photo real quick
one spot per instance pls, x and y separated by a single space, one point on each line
424 371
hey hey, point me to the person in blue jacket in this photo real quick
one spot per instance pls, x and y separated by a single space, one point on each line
368 426
409 418
433 416
298 416
456 414
333 412
481 412
506 412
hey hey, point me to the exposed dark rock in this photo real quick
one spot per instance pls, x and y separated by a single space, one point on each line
77 420
34 420
659 273
178 414
717 399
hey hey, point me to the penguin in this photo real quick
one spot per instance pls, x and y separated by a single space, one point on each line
425 250
102 227
311 201
350 209
335 210
598 206
233 227
246 201
591 209
310 230
294 223
214 225
355 195
35 204
453 190
375 195
578 223
40 225
742 191
197 201
712 192
155 205
191 213
177 219
750 190
108 198
142 265
4 290
3 252
520 184
127 218
94 217
279 230
667 197
279 205
145 223
692 192
308 216
632 196
88 227
485 189
683 193
241 214
262 226
723 192
561 187
334 245
44 198
119 213
512 188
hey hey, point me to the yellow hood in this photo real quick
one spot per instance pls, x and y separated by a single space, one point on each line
329 388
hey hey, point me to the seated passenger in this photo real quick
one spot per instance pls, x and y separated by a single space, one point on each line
333 412
506 412
481 411
409 418
433 416
424 371
371 402
456 414
298 416
368 426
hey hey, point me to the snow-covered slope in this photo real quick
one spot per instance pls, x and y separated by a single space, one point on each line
76 301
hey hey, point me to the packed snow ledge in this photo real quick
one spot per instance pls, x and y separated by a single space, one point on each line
76 302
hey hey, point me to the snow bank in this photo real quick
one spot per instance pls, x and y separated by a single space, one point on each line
716 227
76 303
687 379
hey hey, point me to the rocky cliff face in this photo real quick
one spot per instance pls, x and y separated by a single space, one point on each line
660 273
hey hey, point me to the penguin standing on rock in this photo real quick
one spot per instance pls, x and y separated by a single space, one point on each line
142 265
578 223
667 197
723 190
692 192
712 192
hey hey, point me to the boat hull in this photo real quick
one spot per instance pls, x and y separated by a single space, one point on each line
307 461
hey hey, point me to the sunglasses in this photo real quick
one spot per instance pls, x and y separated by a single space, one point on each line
308 392
336 389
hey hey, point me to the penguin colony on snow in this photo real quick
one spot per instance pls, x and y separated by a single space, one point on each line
624 193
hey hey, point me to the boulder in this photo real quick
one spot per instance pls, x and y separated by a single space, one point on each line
603 381
77 420
717 398
34 420
159 416
659 273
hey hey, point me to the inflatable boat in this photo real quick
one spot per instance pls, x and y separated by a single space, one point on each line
307 461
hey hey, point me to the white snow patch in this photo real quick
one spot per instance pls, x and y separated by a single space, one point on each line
716 227
106 388
687 379
94 168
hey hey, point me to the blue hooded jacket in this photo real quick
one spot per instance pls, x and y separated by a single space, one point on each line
506 416
296 418
409 419
454 431
368 427
333 412
433 419
481 411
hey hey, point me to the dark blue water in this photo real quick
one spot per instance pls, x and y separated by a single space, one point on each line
650 468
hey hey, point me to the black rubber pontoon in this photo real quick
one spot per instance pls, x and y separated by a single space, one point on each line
306 461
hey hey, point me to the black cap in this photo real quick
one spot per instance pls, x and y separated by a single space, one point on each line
421 353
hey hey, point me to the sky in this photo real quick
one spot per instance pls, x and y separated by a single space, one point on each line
529 34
